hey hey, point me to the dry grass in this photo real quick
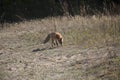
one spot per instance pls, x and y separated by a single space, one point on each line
85 31
85 54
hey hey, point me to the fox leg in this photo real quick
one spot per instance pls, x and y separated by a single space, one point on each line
53 43
60 41
56 41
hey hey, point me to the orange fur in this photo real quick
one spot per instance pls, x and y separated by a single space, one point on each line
55 37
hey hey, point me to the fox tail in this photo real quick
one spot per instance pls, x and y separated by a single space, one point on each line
47 39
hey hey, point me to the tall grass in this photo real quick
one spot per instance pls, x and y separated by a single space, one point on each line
93 31
83 31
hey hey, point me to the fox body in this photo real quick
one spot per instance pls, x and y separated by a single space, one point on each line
55 37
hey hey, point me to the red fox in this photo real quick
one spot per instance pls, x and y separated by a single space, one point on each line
55 38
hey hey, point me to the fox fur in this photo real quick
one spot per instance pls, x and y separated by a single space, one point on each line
55 37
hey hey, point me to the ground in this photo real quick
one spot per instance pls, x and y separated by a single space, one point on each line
22 59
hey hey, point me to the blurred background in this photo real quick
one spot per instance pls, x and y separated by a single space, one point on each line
19 10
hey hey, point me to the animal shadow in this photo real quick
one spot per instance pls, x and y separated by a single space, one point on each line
43 49
36 50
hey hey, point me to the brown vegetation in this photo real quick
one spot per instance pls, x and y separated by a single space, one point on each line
90 50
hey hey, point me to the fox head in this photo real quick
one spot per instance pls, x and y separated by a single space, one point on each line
60 41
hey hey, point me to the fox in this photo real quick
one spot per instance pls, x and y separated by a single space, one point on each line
55 37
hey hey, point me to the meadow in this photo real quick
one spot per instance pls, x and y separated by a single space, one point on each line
90 49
